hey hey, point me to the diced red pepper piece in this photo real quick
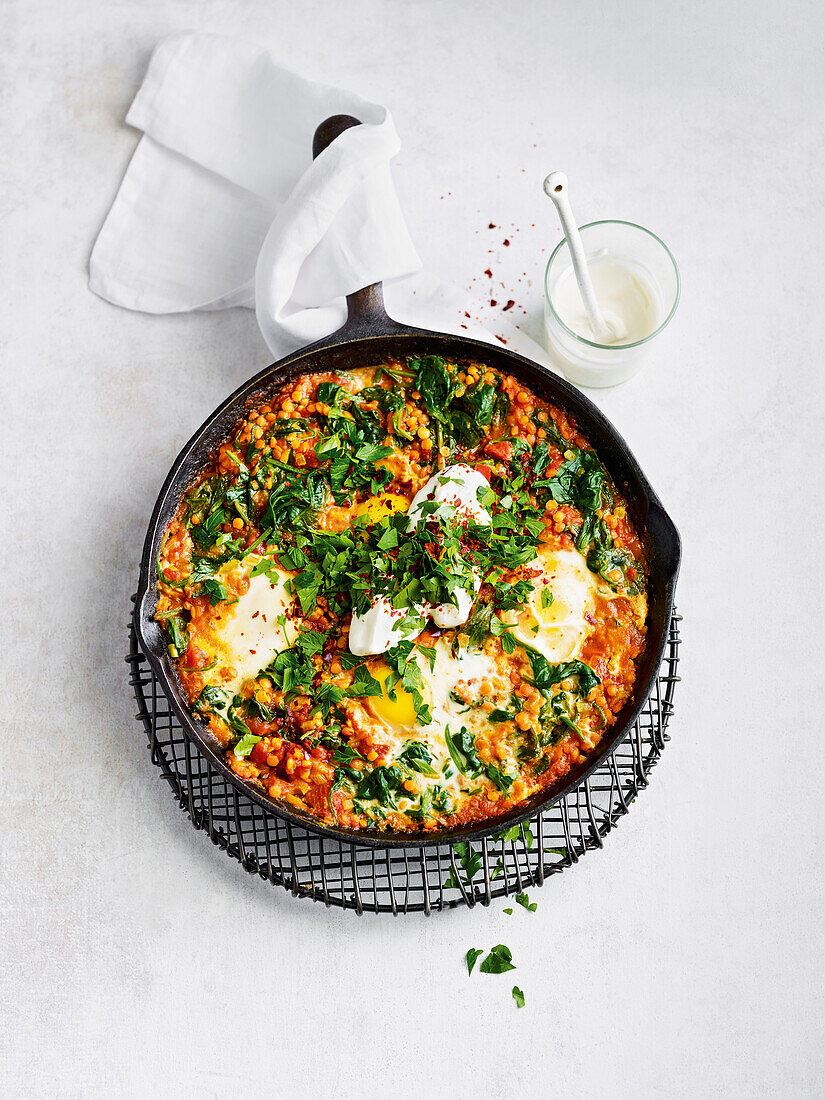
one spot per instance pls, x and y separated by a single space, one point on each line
501 449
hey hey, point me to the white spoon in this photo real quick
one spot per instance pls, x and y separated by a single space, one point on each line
556 187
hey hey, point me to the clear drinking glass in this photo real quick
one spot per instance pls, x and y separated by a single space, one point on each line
584 361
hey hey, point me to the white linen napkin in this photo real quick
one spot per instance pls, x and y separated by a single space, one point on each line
223 206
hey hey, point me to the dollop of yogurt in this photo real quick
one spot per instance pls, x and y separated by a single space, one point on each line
378 629
454 491
447 615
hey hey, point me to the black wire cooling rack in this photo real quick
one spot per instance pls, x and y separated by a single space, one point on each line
405 880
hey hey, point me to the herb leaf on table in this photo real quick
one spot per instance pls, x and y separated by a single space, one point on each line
472 956
499 961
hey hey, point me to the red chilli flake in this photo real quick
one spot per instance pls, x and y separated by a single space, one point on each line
510 304
493 302
488 273
506 243
492 226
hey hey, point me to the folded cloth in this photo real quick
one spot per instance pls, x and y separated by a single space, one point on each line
223 206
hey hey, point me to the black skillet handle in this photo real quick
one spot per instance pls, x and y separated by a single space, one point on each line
366 315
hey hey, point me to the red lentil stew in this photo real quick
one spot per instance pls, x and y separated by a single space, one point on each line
404 597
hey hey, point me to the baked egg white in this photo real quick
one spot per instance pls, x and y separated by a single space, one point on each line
553 619
246 631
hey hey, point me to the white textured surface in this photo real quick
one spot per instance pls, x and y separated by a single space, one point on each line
684 960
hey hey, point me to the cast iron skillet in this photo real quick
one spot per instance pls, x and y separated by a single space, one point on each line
369 337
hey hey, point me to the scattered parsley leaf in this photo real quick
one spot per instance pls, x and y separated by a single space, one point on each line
524 900
310 642
345 754
470 861
363 683
246 744
518 832
389 539
213 588
472 956
499 961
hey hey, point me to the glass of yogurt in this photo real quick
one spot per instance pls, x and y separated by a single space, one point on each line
636 283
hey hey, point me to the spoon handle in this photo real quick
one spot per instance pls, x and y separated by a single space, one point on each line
556 187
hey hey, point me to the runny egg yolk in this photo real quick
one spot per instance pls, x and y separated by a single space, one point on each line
397 713
381 506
